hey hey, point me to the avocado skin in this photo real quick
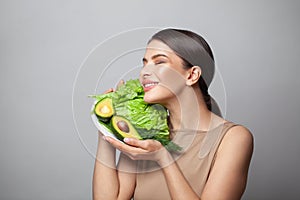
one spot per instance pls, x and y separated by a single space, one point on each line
122 134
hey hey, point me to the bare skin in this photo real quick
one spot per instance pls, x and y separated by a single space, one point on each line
228 178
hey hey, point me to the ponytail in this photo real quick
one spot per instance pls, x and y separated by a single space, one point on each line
210 102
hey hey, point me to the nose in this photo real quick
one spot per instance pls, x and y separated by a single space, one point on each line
145 72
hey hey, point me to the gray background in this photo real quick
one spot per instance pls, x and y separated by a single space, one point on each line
45 155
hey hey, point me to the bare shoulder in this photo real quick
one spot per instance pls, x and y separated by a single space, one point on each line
238 138
239 134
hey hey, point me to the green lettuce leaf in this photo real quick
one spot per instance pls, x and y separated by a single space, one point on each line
150 120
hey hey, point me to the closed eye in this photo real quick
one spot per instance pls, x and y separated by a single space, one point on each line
159 62
157 59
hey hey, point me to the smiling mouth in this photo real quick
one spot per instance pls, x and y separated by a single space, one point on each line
149 86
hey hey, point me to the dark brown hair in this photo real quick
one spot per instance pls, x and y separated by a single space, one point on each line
194 51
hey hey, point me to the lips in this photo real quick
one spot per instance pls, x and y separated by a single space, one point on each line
148 85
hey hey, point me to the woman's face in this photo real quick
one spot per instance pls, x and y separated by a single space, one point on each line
163 76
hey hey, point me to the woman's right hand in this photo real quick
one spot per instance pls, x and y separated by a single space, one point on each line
121 82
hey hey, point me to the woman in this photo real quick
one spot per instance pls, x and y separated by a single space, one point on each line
178 68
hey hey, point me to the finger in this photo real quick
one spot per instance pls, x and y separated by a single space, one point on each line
148 145
122 146
121 82
113 141
133 142
109 90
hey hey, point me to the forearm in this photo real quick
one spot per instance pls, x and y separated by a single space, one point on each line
105 178
178 186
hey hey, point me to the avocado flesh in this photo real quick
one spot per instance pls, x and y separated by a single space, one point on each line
122 128
104 109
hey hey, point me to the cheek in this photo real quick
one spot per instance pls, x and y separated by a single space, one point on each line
171 79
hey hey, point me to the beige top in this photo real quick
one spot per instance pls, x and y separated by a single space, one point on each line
195 162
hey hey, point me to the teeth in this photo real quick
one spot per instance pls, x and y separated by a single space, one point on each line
150 84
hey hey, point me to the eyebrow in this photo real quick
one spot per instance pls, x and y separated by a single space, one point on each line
155 56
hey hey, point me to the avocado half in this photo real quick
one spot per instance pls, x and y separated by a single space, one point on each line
122 128
104 109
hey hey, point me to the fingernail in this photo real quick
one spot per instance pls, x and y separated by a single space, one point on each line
126 140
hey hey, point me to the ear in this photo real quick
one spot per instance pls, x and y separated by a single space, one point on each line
193 75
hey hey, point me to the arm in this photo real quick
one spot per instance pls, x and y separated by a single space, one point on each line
108 182
228 177
178 186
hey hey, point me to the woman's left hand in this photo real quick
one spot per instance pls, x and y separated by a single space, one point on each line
140 149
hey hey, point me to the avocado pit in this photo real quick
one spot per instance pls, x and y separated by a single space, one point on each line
123 126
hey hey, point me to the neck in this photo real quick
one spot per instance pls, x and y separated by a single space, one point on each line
189 111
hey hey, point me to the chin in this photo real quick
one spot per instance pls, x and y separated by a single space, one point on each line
156 97
149 99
